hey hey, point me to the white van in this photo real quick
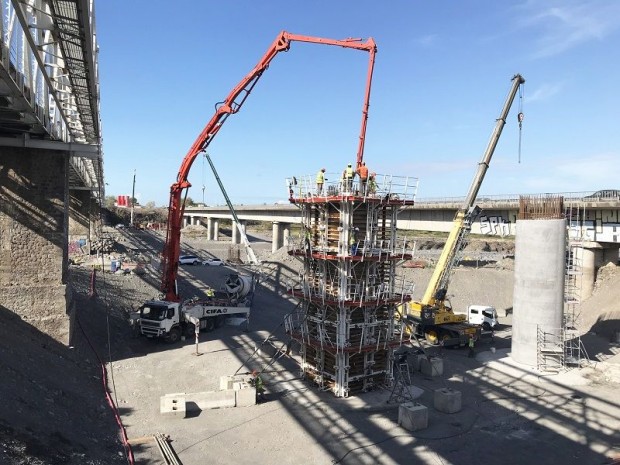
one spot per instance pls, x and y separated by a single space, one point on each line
482 315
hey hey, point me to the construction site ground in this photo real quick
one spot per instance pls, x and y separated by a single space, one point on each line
511 414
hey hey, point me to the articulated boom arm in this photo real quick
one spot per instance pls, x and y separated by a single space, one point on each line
231 105
467 214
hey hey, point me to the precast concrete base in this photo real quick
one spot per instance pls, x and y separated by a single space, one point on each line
431 366
447 400
413 416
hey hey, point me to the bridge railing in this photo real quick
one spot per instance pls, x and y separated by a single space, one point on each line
612 195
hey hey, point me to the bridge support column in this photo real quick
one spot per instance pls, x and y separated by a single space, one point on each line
234 232
34 211
588 259
185 221
287 234
83 220
276 241
209 228
236 236
216 230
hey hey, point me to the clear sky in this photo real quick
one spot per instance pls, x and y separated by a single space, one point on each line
441 77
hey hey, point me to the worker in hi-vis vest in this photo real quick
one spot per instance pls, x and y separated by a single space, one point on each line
320 180
347 178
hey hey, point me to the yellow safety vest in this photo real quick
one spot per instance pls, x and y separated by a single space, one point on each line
320 177
349 173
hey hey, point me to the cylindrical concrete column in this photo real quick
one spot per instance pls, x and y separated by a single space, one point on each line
216 230
286 228
276 241
185 221
209 228
586 263
538 301
235 233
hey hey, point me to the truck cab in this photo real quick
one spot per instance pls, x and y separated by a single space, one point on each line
482 315
158 318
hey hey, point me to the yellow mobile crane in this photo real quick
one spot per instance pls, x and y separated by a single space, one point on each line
432 317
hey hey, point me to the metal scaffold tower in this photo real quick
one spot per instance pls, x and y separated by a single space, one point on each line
574 351
561 348
347 324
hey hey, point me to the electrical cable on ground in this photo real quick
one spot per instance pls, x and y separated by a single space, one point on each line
128 450
111 402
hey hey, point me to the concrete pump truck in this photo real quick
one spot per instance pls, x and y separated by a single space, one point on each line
171 317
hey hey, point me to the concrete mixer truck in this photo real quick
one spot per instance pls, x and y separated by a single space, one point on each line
171 320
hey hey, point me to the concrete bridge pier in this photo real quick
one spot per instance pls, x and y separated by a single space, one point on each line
287 235
83 220
276 241
186 220
209 228
236 235
587 259
216 230
34 224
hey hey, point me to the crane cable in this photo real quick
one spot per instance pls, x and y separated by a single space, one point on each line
520 117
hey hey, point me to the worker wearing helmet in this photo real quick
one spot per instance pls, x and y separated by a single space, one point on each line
372 184
362 171
347 177
320 180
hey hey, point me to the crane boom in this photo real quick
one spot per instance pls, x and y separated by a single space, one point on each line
466 214
231 105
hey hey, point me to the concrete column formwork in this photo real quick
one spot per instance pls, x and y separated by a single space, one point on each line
540 247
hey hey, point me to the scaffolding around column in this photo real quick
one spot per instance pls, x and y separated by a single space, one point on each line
347 325
561 348
574 351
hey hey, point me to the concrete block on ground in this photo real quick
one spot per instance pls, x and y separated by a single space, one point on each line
432 366
415 360
228 381
412 416
214 399
172 406
245 396
447 400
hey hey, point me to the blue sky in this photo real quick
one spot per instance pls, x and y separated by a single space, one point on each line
442 73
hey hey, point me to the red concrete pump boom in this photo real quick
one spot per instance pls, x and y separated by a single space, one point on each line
232 105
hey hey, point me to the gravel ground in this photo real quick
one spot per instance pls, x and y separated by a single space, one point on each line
55 412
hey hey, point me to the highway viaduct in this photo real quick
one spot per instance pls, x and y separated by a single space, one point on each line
594 223
51 175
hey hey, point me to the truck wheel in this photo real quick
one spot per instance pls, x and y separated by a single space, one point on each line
486 326
210 324
174 335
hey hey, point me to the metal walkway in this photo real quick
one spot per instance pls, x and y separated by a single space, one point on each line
49 83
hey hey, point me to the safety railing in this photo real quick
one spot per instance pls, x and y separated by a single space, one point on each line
378 186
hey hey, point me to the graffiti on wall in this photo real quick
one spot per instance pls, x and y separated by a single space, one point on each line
494 226
75 247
